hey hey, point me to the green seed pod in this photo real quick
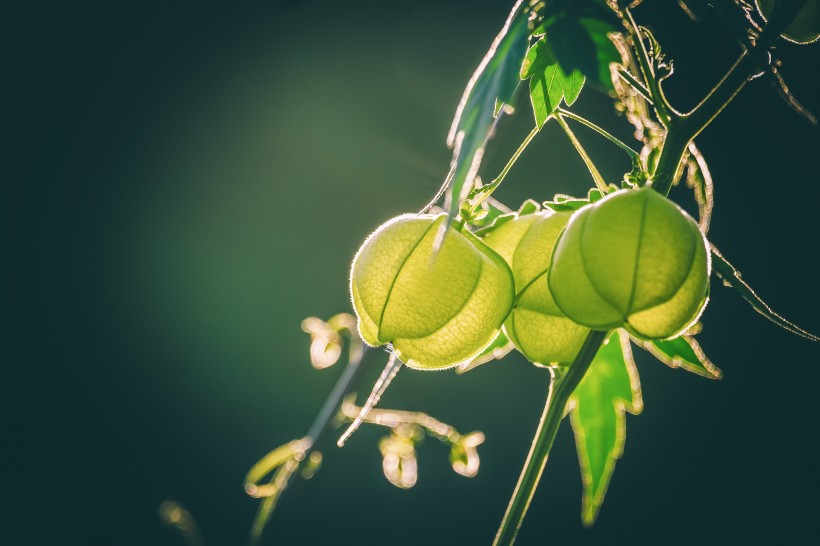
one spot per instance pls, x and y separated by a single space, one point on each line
438 308
536 326
634 260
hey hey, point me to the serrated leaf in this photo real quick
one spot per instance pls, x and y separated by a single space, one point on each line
527 207
498 349
549 83
561 202
494 209
609 388
493 83
731 278
682 352
583 44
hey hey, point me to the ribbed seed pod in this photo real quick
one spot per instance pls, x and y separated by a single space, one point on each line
536 326
437 308
635 260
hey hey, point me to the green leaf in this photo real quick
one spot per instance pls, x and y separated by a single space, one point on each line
492 211
682 352
527 207
584 45
549 83
731 278
494 83
610 387
561 202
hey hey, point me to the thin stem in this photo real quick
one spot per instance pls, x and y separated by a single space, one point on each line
634 156
178 517
357 362
666 114
344 385
395 418
691 124
635 84
557 398
388 374
593 170
485 191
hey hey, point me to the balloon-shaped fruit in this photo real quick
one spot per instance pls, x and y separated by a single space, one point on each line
634 260
438 307
536 326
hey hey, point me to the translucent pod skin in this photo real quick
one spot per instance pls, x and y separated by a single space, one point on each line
438 308
536 326
634 260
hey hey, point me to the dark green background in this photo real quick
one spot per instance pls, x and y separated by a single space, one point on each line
182 183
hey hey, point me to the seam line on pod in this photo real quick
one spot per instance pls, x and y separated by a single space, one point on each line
511 335
702 307
527 286
638 246
463 305
515 255
398 272
688 273
539 311
589 278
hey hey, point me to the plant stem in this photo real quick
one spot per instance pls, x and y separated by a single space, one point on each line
634 156
666 114
691 124
560 391
485 191
344 385
635 84
358 361
593 170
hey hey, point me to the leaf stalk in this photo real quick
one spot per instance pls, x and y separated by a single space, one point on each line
560 390
634 156
593 170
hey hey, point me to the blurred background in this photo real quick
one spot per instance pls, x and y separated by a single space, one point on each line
183 183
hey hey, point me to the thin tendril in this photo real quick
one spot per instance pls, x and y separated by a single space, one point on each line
390 370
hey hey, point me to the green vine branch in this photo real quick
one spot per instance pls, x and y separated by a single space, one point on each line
689 125
479 194
283 462
634 156
667 115
600 183
560 390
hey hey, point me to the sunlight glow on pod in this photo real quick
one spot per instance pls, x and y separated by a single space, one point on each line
536 326
634 260
437 308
